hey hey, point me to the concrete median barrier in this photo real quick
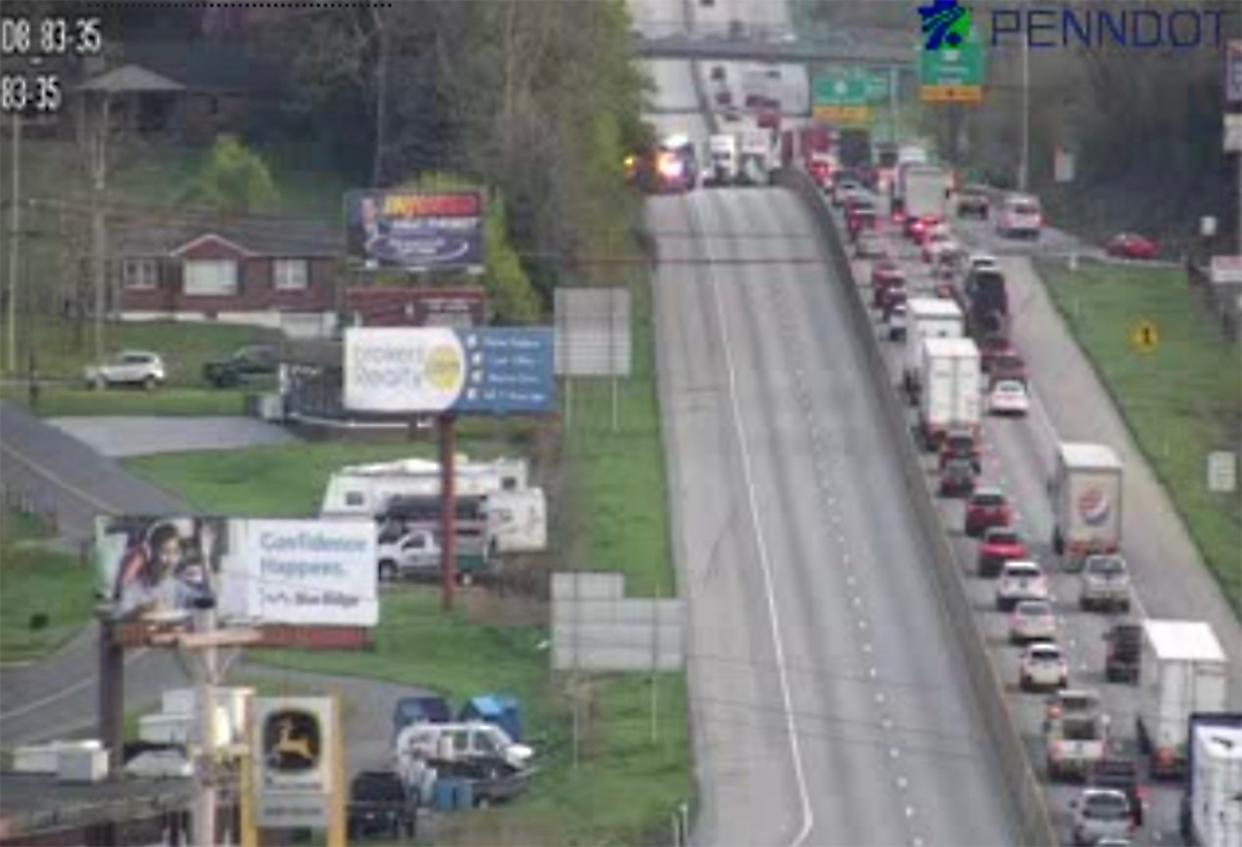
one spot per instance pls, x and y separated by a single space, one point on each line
1029 800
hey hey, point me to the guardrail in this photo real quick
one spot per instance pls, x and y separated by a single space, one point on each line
1027 794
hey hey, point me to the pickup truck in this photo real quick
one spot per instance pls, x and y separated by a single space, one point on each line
379 804
417 554
243 364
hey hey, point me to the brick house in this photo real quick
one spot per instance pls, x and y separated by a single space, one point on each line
266 272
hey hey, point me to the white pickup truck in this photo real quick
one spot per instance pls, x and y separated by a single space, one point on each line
416 553
1075 732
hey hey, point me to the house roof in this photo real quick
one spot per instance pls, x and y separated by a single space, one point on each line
206 64
257 236
130 79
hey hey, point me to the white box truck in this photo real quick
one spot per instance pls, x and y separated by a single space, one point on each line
755 159
927 317
1183 671
1086 502
1211 814
950 386
722 160
925 191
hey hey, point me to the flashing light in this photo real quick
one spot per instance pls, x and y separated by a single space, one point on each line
670 166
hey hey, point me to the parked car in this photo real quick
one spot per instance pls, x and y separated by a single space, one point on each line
1000 544
1101 813
987 507
380 806
130 367
1105 583
1020 580
957 478
973 202
869 246
1042 666
1008 397
1123 655
244 363
462 740
1032 620
1128 245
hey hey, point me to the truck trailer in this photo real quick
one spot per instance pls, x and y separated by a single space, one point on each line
1211 814
1183 672
926 317
1086 502
949 380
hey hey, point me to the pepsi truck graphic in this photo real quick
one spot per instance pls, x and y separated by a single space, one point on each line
1086 502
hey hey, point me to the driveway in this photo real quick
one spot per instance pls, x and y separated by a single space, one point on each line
143 436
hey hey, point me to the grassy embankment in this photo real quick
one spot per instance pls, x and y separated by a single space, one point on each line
625 786
45 594
1181 402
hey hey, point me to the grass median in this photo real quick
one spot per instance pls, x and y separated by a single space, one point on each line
45 594
1181 401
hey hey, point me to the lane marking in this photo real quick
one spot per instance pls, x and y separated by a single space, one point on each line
34 705
791 727
60 481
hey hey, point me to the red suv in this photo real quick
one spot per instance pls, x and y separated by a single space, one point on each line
886 274
988 507
1000 544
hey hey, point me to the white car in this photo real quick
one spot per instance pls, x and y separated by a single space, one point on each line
1008 397
1042 666
940 244
1020 217
1032 620
981 260
130 367
1101 814
1020 579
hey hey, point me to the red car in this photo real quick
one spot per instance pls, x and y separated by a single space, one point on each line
1007 364
1127 245
885 276
894 296
917 228
988 507
858 219
1000 544
961 444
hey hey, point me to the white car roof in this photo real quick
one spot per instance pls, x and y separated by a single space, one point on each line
1043 647
1021 566
1009 385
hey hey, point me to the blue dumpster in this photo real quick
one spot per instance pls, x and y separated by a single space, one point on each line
429 709
502 710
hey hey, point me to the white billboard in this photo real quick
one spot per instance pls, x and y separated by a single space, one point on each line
310 572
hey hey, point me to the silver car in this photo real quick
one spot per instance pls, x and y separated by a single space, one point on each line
1099 814
1105 583
131 367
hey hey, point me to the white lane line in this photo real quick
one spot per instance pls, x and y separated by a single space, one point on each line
65 692
778 644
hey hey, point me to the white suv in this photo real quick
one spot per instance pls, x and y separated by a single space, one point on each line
1020 217
1042 666
131 367
1020 580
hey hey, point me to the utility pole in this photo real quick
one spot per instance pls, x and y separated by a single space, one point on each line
15 234
99 172
892 102
1024 168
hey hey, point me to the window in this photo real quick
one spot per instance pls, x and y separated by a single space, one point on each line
290 274
140 273
210 277
354 498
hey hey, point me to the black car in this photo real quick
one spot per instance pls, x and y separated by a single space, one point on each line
379 806
246 362
1123 652
957 478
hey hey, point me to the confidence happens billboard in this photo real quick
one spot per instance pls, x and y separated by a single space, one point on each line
415 230
299 572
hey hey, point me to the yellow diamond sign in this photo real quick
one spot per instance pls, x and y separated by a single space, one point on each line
1144 336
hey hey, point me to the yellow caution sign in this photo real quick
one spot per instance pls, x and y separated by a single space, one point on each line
1144 336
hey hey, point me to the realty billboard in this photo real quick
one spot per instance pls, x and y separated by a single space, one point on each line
294 572
443 369
415 230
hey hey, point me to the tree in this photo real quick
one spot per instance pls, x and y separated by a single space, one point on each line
233 179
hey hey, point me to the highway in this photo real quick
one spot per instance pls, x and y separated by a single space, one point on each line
828 698
1018 456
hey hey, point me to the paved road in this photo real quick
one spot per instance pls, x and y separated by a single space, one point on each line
117 437
70 477
1170 579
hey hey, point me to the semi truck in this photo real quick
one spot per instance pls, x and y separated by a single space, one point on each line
1086 502
908 156
722 160
949 388
1183 672
810 147
1211 814
926 317
925 192
755 159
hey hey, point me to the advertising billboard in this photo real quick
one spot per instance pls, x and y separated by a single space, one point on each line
296 572
406 306
415 230
295 771
440 369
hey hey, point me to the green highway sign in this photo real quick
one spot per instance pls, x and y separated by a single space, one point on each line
877 86
952 75
849 87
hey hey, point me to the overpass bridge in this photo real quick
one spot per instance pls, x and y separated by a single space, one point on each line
866 48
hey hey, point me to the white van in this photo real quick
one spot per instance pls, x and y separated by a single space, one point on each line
466 740
1020 217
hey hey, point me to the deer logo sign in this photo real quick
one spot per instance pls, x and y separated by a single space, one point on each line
292 741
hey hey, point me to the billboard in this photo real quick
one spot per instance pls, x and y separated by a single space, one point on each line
441 369
295 770
414 230
298 572
406 306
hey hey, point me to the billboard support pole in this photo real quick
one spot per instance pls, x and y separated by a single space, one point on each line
111 694
205 685
448 509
